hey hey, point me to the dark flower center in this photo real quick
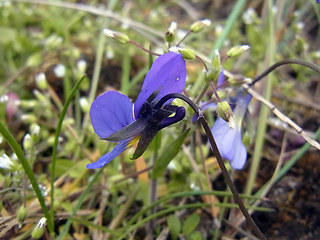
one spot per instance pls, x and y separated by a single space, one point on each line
152 118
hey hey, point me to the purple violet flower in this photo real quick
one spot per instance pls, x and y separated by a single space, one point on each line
115 119
228 134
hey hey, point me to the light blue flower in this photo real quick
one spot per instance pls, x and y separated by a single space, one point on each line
228 134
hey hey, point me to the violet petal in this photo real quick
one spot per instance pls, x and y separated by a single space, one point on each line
110 112
168 73
105 159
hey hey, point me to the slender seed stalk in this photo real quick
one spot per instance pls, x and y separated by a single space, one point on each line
285 62
182 39
142 48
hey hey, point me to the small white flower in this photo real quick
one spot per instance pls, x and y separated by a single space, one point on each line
35 130
4 99
84 104
82 65
218 30
39 228
175 50
206 22
249 15
173 27
41 80
41 223
109 33
60 70
27 142
6 162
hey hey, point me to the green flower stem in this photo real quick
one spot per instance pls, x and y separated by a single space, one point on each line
20 155
55 145
126 65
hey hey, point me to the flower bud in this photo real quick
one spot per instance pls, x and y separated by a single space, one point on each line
224 110
38 231
6 162
28 118
26 103
117 36
218 30
250 16
41 97
35 132
237 50
21 215
27 142
84 104
34 60
199 25
170 34
53 41
82 66
216 61
59 70
186 53
216 68
4 99
41 81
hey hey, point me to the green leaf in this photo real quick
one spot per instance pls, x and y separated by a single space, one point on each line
190 224
174 225
196 235
170 152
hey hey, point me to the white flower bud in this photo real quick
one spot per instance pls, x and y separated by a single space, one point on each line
82 66
237 50
84 104
170 34
119 37
39 228
27 142
41 81
6 162
35 132
60 70
28 118
199 25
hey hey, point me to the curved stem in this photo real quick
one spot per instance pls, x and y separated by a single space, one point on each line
55 145
182 39
142 48
203 63
216 152
285 62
